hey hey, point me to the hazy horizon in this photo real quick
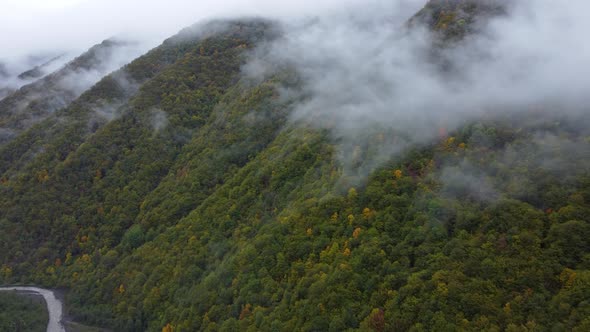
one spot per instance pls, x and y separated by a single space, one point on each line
41 27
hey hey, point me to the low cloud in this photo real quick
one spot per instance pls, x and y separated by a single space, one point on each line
33 26
375 85
159 120
35 101
364 72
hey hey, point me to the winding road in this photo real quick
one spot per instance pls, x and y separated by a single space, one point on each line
54 306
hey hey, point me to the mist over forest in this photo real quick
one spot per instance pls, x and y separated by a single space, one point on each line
399 165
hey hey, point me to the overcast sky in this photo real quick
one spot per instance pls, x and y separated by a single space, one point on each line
28 26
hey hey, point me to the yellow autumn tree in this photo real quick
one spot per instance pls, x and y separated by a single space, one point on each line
449 144
567 278
246 311
43 176
356 232
352 194
368 213
6 271
334 217
350 219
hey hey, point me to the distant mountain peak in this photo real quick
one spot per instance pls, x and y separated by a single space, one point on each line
33 102
453 19
40 70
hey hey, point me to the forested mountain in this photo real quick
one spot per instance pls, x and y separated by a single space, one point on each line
4 90
42 69
34 102
20 71
183 193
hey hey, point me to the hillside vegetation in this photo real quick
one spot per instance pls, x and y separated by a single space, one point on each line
35 102
176 195
22 313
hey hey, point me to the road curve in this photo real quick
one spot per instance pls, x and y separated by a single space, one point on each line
54 306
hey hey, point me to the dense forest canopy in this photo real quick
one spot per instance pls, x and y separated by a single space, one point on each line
244 175
22 313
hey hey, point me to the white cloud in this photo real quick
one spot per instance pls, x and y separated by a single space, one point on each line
40 4
362 76
28 26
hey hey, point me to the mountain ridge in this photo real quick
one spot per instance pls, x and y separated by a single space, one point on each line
34 102
178 194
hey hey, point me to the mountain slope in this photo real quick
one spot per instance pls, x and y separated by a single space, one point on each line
34 102
72 171
41 69
190 202
4 75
